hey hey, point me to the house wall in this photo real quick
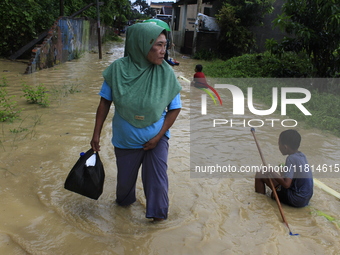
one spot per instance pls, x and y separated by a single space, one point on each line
268 31
187 12
191 16
185 18
66 39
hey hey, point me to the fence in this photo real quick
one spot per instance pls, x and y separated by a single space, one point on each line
66 40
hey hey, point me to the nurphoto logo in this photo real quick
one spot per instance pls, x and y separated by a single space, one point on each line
239 101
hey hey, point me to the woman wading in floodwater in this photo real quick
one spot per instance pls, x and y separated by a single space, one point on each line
145 93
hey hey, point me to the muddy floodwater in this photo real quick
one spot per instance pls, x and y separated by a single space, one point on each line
206 215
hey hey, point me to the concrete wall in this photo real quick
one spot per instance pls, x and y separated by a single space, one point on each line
185 13
65 41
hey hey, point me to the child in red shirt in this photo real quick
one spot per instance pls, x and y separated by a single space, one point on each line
199 78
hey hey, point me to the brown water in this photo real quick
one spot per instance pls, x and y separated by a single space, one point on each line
206 215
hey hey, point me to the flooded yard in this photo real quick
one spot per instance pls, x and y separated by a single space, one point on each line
206 215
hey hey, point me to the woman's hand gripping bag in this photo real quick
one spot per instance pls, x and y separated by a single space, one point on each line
87 176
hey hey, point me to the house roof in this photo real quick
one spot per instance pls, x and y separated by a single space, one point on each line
181 2
165 7
161 4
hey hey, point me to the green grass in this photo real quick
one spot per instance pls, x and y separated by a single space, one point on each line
260 65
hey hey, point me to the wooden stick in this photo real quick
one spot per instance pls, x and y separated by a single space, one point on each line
271 183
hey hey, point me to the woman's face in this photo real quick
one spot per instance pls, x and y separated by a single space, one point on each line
157 51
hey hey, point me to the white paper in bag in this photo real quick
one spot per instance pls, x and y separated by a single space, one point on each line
91 161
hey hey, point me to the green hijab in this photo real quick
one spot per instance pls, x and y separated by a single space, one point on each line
141 90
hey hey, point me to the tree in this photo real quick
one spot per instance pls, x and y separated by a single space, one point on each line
115 13
235 19
23 20
314 26
144 8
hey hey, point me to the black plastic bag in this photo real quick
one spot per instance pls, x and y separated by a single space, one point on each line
86 180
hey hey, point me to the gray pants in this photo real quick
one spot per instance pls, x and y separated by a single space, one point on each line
154 177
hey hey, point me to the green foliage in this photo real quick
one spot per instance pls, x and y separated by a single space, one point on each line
18 130
78 53
273 46
111 36
8 108
315 29
235 18
205 55
23 20
59 92
260 65
115 12
73 88
144 8
251 12
325 112
323 106
36 94
135 15
4 82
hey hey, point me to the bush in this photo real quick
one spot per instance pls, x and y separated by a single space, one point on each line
8 107
23 20
323 106
36 95
205 55
235 18
110 36
261 65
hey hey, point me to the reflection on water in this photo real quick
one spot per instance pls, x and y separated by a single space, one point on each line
206 215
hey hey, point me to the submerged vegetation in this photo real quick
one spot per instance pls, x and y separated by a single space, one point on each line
15 121
40 95
8 106
111 36
36 94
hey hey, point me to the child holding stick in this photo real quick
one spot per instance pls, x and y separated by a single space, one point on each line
294 186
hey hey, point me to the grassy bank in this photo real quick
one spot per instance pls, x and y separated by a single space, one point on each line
324 104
